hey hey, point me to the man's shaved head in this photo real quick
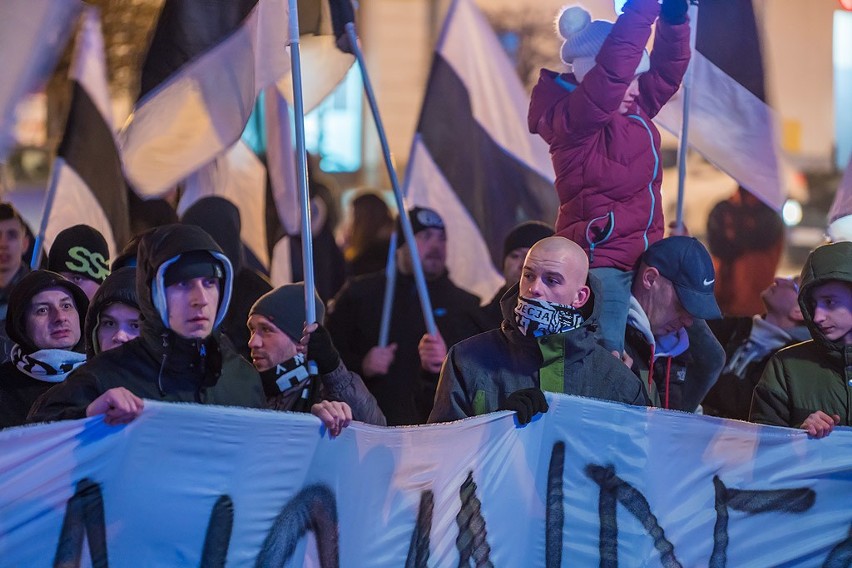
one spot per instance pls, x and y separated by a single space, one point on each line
556 270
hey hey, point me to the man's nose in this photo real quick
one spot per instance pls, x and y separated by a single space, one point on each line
121 336
534 288
198 294
253 341
60 315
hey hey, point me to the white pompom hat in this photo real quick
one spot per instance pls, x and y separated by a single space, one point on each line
583 40
840 229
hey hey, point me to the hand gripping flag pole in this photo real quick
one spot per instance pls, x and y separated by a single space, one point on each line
343 17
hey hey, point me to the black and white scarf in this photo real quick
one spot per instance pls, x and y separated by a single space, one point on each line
48 365
536 318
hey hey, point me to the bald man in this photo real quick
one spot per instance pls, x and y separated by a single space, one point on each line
545 343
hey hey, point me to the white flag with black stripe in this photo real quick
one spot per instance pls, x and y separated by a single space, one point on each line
87 185
473 159
207 63
33 34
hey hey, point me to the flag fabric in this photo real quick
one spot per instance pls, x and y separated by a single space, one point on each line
207 63
840 214
33 34
473 159
87 184
730 123
589 483
239 176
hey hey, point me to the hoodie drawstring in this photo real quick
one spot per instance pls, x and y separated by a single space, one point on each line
651 371
668 380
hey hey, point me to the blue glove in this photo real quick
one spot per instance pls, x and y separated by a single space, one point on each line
674 11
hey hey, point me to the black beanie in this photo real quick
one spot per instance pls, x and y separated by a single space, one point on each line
285 307
526 235
80 249
421 218
194 264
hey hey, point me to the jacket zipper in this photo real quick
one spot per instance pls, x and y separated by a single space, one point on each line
653 177
163 365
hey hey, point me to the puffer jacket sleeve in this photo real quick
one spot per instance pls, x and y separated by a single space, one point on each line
451 399
669 60
67 400
770 403
345 386
599 95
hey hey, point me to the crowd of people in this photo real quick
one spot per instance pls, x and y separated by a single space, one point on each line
600 305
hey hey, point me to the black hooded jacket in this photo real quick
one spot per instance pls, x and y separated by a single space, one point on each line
120 286
221 219
159 364
481 372
19 391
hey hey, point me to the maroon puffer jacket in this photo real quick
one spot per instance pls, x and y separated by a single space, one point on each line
608 170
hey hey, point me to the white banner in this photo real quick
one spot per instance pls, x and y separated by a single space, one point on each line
589 483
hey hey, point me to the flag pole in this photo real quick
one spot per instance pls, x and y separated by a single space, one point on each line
38 246
390 286
683 142
405 222
302 165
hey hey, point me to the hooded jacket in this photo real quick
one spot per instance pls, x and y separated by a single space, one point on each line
607 165
19 390
678 369
816 374
160 364
221 219
481 372
119 287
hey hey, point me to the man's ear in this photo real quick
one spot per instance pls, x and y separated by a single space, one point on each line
583 295
796 313
648 276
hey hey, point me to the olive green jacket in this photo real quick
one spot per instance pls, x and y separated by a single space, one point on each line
814 375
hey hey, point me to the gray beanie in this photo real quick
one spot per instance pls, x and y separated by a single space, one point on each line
583 40
285 308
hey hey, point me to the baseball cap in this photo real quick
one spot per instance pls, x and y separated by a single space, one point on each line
421 218
687 264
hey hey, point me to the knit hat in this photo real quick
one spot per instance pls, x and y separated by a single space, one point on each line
525 235
194 264
285 307
421 218
583 40
80 249
840 229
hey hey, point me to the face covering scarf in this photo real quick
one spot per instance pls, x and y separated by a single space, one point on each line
536 318
48 365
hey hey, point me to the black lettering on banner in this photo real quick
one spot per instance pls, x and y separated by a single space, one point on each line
312 509
555 514
418 550
84 516
615 490
841 555
472 542
751 502
218 537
